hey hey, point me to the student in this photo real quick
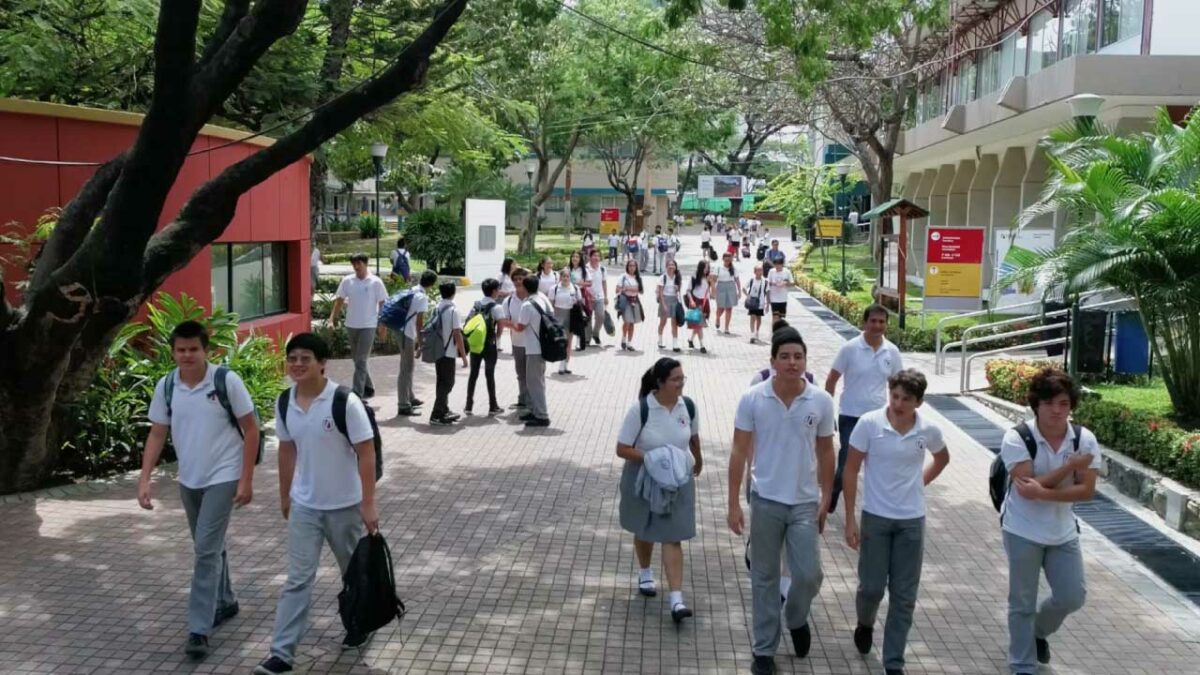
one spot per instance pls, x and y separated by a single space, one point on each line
662 245
216 470
674 244
890 445
629 292
788 426
778 281
867 362
410 344
729 290
565 297
670 287
365 294
326 490
670 433
529 324
506 290
400 261
706 237
774 254
314 265
588 243
546 277
614 243
735 240
697 298
756 289
1037 521
512 314
489 307
451 325
597 277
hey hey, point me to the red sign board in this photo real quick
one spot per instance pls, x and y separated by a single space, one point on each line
955 245
610 214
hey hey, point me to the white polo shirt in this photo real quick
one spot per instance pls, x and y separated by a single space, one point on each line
533 323
725 274
784 469
663 427
705 236
362 298
894 469
777 281
596 277
314 258
565 298
669 289
865 372
512 309
547 282
208 446
451 321
326 464
417 307
506 285
1046 523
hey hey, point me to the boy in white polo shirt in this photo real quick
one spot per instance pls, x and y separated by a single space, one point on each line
529 323
512 310
1039 528
365 294
326 489
788 425
444 368
866 362
216 468
891 443
410 344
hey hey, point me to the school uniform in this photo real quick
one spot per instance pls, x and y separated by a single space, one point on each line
535 365
408 345
699 299
512 309
362 298
597 277
444 368
628 287
488 356
726 287
614 242
865 372
892 527
777 281
547 282
563 300
664 427
670 296
757 288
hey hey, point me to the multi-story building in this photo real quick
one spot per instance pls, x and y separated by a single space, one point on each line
1000 79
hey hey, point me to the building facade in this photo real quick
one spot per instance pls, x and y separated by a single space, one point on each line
1002 76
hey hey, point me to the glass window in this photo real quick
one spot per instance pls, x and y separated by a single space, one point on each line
1043 42
989 72
275 274
1122 20
1079 28
1008 60
250 279
964 82
220 276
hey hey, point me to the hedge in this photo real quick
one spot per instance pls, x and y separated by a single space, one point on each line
1150 439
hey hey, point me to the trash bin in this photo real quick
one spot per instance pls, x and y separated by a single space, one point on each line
1058 349
1133 348
1090 339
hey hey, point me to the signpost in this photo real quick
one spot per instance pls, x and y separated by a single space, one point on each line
610 221
829 228
954 268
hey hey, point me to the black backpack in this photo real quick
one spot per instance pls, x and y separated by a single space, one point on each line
221 387
551 336
368 600
998 479
341 396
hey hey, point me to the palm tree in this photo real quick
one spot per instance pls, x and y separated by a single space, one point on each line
1137 211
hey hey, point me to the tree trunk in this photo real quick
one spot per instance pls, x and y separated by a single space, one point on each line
317 174
687 180
630 209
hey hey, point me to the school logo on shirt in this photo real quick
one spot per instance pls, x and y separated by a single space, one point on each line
810 420
683 421
212 396
328 424
922 444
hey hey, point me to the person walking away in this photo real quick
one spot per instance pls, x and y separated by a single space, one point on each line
697 298
629 292
614 243
597 277
326 490
706 238
535 308
512 314
210 417
565 297
670 288
788 426
890 445
546 277
410 344
588 243
1052 465
674 244
729 290
662 246
661 428
757 300
735 239
314 264
779 279
451 334
401 265
365 294
494 315
866 362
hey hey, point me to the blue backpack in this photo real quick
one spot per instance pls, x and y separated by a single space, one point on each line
395 311
400 268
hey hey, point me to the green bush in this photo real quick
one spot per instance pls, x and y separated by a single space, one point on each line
368 227
437 237
854 280
327 284
341 225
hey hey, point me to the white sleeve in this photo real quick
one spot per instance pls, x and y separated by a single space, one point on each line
455 319
825 424
937 443
696 420
1013 450
839 362
281 432
239 396
897 361
380 291
860 438
743 419
1088 445
342 291
631 425
358 427
158 402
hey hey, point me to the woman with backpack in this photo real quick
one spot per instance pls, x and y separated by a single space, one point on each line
756 302
658 497
729 290
565 298
697 304
670 285
629 302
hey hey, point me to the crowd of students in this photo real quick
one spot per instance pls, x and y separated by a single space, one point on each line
783 459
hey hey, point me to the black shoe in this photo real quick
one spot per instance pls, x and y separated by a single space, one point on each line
862 638
441 421
355 640
676 349
893 671
416 403
703 350
225 613
680 612
368 393
527 417
406 412
452 417
691 345
273 666
596 339
763 665
467 410
802 640
495 410
537 422
1043 650
647 588
196 646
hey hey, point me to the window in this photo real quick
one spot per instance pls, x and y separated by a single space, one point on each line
1122 19
250 279
1043 42
964 82
989 72
1079 28
1008 65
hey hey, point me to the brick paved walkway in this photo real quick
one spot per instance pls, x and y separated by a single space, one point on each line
510 558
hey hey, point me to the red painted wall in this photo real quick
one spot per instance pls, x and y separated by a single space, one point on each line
275 211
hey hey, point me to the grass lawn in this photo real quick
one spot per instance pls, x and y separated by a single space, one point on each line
1148 397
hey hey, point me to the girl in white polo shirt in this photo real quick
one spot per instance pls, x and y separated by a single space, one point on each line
729 290
670 287
564 297
757 300
629 290
697 298
546 277
1039 528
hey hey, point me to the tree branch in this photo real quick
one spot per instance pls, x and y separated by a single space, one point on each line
232 14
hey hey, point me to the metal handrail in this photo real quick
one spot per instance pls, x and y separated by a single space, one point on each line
1011 333
964 381
940 360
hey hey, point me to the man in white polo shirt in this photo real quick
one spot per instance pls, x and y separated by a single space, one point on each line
365 294
326 489
410 344
529 324
788 426
597 277
216 468
866 362
512 310
891 443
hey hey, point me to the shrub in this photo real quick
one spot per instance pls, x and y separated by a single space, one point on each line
327 284
854 280
368 227
437 237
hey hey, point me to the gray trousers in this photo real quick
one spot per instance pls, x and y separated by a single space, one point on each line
404 380
208 512
598 310
775 527
889 558
308 530
1027 619
535 381
361 341
522 385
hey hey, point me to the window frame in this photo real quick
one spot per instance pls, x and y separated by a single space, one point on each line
227 303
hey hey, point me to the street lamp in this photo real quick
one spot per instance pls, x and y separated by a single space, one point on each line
842 170
378 152
530 169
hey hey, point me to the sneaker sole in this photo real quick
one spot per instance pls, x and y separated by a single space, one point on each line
259 670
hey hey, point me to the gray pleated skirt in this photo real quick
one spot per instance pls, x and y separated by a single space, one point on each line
667 306
564 317
632 312
679 525
726 294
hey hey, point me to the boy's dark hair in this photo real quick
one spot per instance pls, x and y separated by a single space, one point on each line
490 286
786 336
188 330
1047 384
400 242
530 283
779 324
358 257
519 273
428 278
874 308
447 289
911 381
310 341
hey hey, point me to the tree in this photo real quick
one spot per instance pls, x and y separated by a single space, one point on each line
1136 228
105 258
801 194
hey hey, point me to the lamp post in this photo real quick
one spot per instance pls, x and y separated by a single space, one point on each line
842 170
530 169
378 152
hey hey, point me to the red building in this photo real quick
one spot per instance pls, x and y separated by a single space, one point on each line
258 268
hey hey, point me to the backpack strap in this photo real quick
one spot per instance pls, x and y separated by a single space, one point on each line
1026 435
221 385
341 398
1078 435
285 398
169 389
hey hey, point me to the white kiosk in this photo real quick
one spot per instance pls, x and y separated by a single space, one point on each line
485 239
